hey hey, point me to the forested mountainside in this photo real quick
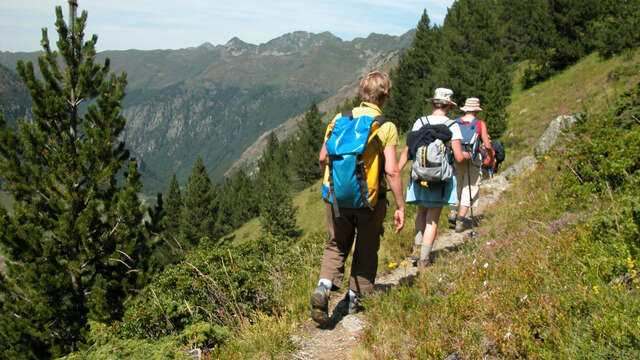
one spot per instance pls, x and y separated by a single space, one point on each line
14 98
214 101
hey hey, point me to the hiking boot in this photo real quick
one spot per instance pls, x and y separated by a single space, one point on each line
461 224
350 306
320 305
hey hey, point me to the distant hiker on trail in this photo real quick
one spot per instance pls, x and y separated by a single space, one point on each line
360 145
469 172
491 164
430 145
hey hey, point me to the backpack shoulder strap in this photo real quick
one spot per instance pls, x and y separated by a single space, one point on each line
474 122
450 123
423 118
381 120
348 113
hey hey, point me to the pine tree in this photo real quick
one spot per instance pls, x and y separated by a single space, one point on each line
413 78
200 211
307 146
76 244
277 213
172 210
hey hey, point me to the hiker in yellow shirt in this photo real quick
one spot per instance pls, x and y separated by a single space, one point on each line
344 222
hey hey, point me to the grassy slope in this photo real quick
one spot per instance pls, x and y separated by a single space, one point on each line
530 112
584 87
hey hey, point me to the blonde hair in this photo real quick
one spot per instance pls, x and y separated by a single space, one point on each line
375 86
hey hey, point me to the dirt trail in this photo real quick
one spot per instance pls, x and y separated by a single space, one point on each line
335 342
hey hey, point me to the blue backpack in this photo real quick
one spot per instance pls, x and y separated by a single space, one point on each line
355 163
470 141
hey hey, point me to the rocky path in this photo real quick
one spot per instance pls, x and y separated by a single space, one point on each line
334 342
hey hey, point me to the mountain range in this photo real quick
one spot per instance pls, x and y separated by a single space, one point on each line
216 101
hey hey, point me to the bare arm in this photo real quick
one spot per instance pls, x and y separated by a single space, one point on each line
394 178
404 157
458 154
486 142
322 157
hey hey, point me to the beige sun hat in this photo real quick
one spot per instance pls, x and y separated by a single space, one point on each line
443 95
471 105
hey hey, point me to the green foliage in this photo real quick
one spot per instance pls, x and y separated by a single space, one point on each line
305 150
416 76
617 31
277 213
605 160
76 244
199 213
217 285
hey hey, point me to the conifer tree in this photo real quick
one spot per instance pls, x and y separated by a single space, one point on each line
310 138
76 244
413 78
200 210
172 211
277 212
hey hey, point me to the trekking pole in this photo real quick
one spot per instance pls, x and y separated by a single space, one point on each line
472 234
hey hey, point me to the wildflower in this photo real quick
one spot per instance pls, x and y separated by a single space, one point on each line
507 335
474 262
439 279
489 243
524 298
392 265
405 263
630 264
596 290
484 283
289 277
486 265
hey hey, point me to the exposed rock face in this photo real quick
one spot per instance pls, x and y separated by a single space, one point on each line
525 163
552 132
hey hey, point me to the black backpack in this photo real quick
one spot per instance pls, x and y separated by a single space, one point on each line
499 149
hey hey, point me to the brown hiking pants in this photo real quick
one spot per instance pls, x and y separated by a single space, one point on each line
366 226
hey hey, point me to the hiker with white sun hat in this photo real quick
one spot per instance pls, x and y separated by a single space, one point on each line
475 138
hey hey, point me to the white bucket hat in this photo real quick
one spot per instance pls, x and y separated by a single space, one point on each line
471 105
443 95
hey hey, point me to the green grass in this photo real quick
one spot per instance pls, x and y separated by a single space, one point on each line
584 87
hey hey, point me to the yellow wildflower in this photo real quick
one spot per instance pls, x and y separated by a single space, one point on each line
392 265
405 263
596 290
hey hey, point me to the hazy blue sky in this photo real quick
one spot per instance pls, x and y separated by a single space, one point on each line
164 24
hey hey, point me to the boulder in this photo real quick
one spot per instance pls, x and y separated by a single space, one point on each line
552 132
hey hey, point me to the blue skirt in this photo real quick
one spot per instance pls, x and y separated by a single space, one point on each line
433 196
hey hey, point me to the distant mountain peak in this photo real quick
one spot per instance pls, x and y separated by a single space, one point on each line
296 42
206 46
237 47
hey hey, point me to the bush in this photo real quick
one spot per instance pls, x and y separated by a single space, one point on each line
217 286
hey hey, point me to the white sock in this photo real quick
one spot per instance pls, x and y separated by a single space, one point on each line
326 283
